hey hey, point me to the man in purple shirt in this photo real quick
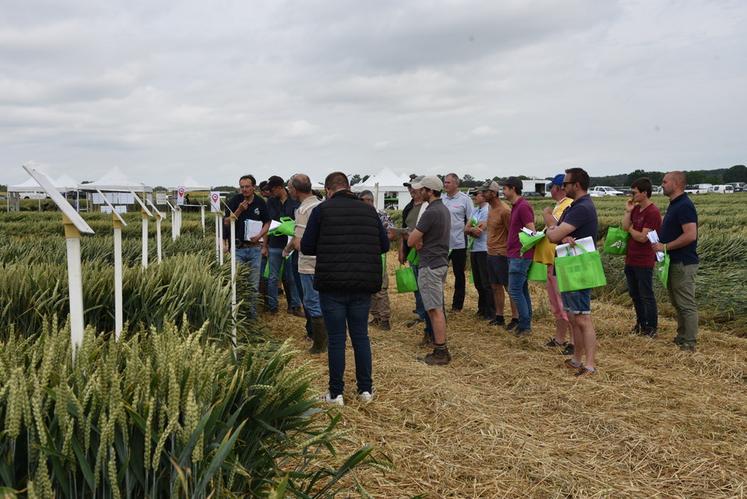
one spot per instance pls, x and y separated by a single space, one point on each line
522 215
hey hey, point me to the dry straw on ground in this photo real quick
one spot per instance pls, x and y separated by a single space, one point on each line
505 419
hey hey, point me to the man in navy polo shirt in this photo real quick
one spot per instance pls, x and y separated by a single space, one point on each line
679 237
579 220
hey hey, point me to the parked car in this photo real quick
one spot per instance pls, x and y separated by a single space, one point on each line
603 190
723 189
703 188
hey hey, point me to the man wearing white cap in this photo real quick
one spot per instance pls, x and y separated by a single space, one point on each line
431 238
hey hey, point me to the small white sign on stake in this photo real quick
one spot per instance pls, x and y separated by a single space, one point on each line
215 202
181 191
74 225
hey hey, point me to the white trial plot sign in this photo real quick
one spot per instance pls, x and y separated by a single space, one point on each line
215 201
142 205
60 201
180 193
114 210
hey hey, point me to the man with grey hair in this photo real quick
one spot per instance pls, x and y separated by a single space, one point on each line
460 207
299 187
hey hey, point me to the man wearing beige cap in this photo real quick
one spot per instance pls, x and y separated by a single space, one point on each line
431 238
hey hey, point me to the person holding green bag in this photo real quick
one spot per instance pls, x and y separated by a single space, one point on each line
679 238
579 220
478 254
641 217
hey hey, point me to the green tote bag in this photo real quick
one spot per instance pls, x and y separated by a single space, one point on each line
406 282
578 272
662 269
616 242
537 272
528 242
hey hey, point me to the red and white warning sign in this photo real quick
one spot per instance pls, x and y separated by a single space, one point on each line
180 192
215 202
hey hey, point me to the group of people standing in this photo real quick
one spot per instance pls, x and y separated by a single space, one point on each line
337 260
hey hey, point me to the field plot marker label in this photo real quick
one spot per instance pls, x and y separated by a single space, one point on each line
215 208
145 213
234 308
74 226
159 218
117 223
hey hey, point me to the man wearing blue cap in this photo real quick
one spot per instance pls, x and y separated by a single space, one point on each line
545 253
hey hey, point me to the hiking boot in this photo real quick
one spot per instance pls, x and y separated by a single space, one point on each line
297 311
569 349
497 321
571 364
685 347
439 357
318 336
512 325
329 399
585 372
385 325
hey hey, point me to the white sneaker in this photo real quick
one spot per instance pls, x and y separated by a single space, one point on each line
327 398
365 397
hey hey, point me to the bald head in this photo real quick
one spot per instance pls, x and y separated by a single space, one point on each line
678 178
673 184
301 183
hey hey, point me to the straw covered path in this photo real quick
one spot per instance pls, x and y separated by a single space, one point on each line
505 419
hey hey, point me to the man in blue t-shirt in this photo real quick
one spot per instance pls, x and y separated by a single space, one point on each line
679 238
579 220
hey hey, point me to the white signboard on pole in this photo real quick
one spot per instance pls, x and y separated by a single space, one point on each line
181 191
215 201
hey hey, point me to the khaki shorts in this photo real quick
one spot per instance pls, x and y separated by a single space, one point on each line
431 286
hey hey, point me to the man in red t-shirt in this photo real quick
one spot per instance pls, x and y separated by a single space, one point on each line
641 217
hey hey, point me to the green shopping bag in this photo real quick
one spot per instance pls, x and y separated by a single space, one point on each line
578 272
413 257
266 272
537 272
287 227
406 282
662 269
528 242
471 240
616 242
383 263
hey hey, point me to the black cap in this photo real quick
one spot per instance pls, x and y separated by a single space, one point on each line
275 181
514 182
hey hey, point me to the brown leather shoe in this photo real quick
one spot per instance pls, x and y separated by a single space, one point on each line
439 357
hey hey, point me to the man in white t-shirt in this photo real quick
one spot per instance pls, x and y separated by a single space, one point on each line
299 187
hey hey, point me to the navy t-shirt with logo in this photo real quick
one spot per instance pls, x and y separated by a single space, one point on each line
256 211
681 211
582 214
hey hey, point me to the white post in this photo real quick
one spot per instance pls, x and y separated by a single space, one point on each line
178 222
75 283
202 218
173 224
234 308
220 260
117 276
145 239
218 245
158 237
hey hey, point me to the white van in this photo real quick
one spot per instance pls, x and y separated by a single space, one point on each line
723 189
703 188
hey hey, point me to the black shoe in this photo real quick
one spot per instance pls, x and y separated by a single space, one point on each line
569 349
498 321
554 343
512 325
649 332
637 329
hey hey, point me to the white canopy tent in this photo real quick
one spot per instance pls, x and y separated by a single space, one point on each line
115 180
190 184
30 189
386 181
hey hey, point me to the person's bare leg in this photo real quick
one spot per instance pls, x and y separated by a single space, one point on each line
589 335
499 299
438 322
578 338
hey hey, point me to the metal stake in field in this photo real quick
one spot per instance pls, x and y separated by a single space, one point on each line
117 223
74 226
159 218
145 213
234 307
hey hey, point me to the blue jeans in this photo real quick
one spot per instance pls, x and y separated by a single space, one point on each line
347 311
251 257
310 296
276 259
299 290
518 290
419 307
641 290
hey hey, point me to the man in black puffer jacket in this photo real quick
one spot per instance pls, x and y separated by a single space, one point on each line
347 238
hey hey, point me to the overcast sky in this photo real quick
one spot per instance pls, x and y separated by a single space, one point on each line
218 89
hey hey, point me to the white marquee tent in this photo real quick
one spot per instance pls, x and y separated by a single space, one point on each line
115 180
30 189
386 181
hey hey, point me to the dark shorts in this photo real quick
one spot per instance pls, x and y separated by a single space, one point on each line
577 302
498 269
